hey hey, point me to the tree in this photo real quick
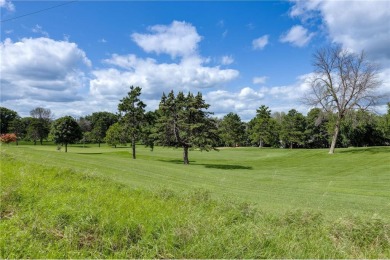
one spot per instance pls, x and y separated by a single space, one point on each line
6 116
133 117
99 124
19 127
263 128
41 126
384 125
342 81
232 130
360 128
34 129
86 127
316 129
115 135
293 128
65 130
184 122
149 130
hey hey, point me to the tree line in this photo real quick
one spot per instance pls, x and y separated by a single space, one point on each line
182 121
343 85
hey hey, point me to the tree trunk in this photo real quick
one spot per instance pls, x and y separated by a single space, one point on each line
291 145
99 143
133 146
261 144
35 142
66 148
41 141
335 135
185 155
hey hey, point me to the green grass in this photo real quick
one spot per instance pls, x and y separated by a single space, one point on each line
352 181
236 203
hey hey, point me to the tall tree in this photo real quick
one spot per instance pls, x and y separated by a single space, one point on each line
133 117
316 129
293 128
6 116
232 130
184 122
65 130
41 126
342 81
262 128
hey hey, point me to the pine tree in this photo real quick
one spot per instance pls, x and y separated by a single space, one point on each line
133 117
184 122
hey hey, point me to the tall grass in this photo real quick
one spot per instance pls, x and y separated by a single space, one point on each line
57 212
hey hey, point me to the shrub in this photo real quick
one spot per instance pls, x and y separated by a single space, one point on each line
8 138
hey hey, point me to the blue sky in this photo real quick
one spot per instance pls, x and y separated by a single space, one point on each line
82 57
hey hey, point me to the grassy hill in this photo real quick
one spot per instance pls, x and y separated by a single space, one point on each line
235 203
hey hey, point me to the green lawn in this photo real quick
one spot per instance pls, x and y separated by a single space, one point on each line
352 181
236 203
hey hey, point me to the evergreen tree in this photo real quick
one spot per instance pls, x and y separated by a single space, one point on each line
263 128
293 128
184 122
231 130
134 114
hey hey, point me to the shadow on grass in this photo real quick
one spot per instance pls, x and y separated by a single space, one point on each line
90 153
213 166
227 166
371 150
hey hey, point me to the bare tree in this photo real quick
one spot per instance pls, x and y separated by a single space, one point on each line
41 126
342 81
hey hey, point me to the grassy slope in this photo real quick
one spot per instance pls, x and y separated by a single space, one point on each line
352 181
54 212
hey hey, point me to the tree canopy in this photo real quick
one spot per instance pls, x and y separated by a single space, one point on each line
65 130
184 122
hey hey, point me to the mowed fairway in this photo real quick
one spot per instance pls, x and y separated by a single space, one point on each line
354 181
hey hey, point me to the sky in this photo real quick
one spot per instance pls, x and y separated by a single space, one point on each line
80 57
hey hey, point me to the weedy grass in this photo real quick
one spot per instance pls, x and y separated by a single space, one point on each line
62 210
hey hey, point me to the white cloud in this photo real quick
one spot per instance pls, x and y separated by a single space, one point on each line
179 39
357 25
227 59
259 80
297 35
154 78
260 42
38 29
42 70
7 5
244 102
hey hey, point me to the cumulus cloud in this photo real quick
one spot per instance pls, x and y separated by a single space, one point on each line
227 59
188 75
243 102
179 39
357 25
41 69
260 43
259 80
297 35
7 5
